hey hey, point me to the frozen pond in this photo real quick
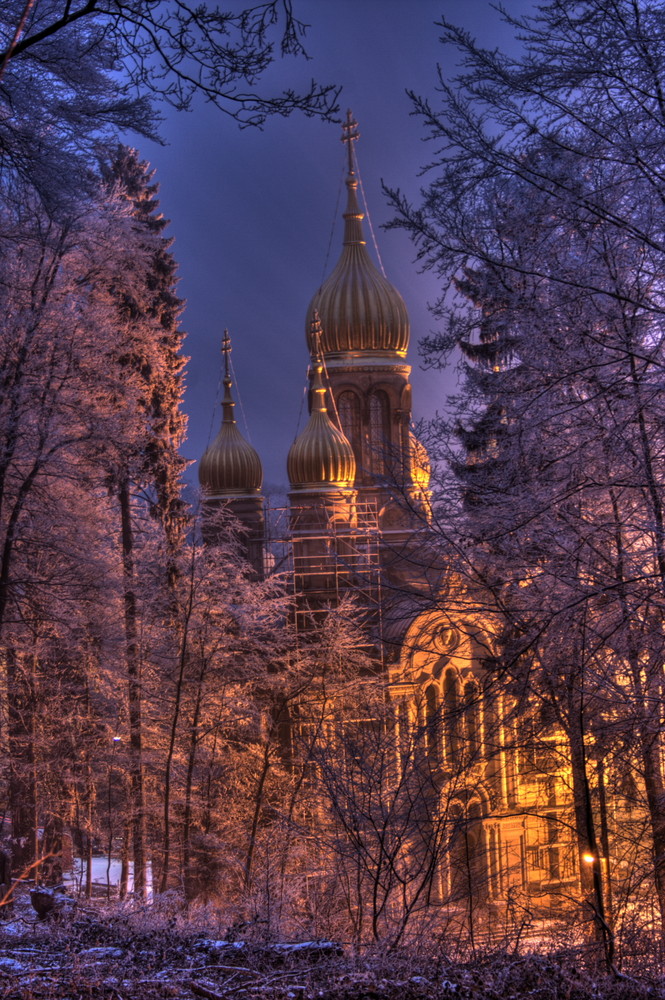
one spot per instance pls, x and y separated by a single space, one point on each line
104 874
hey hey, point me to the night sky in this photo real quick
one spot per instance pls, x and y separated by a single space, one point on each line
252 211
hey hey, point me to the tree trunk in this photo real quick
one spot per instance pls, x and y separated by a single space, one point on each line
649 732
655 792
124 859
258 807
175 718
134 692
22 774
189 782
591 877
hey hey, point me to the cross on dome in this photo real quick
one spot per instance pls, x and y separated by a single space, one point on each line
350 133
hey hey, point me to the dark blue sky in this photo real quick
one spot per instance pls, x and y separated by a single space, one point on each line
252 211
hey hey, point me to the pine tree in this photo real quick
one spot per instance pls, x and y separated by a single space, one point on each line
148 472
156 302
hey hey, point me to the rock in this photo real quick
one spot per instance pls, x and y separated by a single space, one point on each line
50 902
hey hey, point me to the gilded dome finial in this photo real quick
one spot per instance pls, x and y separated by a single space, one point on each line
228 404
226 352
350 133
317 386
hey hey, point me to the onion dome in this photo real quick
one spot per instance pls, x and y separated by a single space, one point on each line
360 311
230 467
321 458
420 468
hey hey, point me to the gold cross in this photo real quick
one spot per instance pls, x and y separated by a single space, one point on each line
226 351
349 135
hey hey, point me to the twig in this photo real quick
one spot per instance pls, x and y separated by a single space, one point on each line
230 968
209 994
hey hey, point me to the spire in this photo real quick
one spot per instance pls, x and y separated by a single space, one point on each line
230 467
353 217
228 404
316 371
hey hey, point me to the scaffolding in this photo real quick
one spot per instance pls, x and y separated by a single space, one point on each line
327 557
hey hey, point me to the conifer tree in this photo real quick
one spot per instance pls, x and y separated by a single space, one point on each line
156 303
148 472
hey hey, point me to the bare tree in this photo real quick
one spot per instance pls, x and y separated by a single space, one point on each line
83 74
544 225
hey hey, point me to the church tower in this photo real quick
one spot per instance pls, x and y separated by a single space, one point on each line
230 474
364 337
322 498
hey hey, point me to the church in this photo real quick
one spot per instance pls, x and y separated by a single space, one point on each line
487 840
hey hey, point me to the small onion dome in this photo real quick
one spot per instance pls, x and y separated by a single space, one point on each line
230 467
420 467
360 310
321 458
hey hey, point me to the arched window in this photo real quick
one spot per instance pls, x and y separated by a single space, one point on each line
432 724
451 714
471 719
348 407
379 432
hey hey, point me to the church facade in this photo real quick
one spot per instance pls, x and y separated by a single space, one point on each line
489 824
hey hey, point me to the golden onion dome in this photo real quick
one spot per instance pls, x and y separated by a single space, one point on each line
420 467
321 458
230 466
360 311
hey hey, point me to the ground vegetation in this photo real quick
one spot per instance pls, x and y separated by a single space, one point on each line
151 954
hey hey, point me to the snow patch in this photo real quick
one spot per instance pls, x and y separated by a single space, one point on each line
101 952
221 945
11 965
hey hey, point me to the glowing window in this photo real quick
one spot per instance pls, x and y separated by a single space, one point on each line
378 431
348 407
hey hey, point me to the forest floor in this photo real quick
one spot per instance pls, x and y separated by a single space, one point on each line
131 955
